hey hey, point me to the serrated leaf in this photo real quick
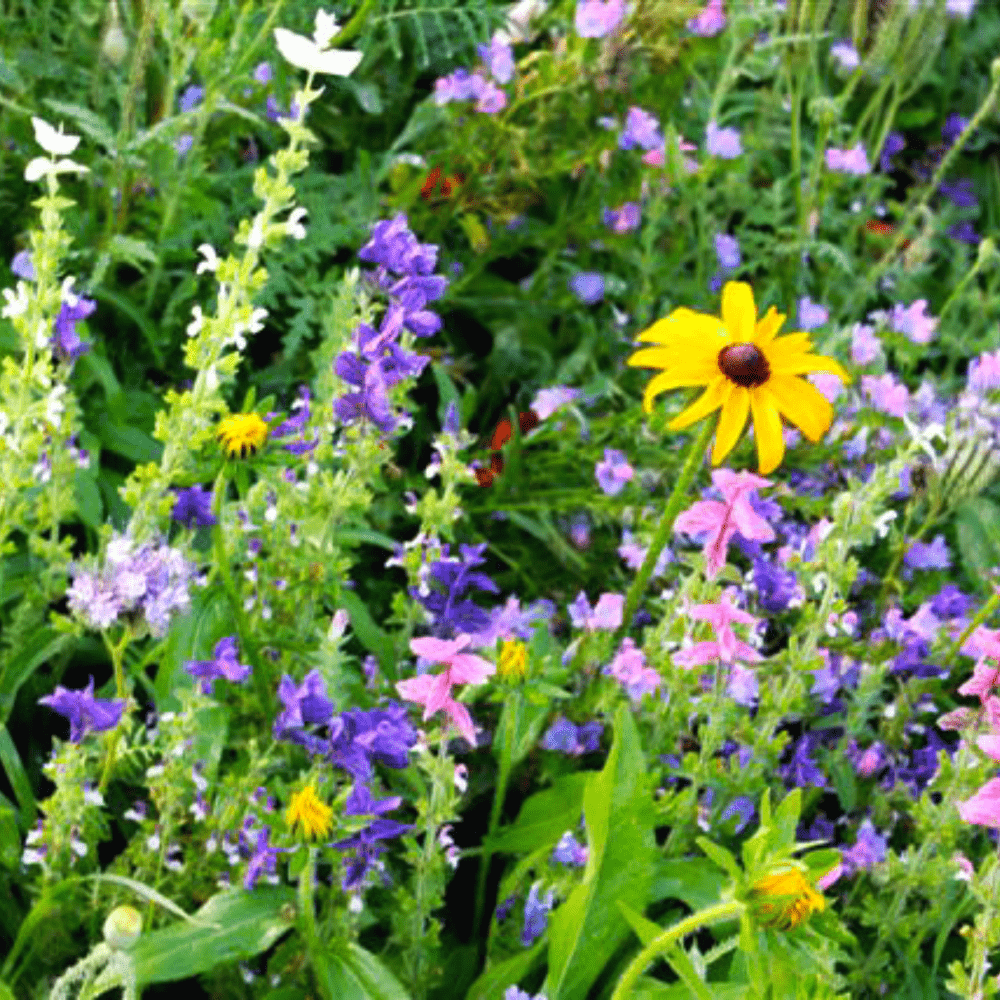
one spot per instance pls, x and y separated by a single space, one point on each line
246 923
722 857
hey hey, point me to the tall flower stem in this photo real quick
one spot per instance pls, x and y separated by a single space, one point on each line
662 942
117 651
511 711
307 907
692 462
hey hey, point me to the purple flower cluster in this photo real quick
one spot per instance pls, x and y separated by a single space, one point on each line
536 915
193 506
405 272
66 342
498 62
573 740
295 425
355 740
151 581
224 663
451 610
598 18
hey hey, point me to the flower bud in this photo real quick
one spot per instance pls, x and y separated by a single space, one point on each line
114 45
122 927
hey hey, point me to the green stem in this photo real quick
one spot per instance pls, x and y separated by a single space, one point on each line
984 612
117 651
695 456
355 24
512 708
307 908
662 942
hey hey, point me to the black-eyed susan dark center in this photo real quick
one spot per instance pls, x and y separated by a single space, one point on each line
744 364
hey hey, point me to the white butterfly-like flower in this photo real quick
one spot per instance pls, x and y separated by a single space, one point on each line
52 141
312 54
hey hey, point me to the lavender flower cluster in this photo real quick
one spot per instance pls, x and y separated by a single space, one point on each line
150 581
405 272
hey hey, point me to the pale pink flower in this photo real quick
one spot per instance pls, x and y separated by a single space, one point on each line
726 647
886 394
990 745
630 670
984 678
983 808
720 520
433 691
825 881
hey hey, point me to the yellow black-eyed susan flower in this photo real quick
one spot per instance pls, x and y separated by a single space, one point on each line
784 899
313 815
242 434
746 370
513 662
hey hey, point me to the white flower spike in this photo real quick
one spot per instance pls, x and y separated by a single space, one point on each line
312 54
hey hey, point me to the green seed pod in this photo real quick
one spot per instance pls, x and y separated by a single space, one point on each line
122 927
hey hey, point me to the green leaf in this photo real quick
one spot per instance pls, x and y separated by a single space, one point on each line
150 895
10 836
99 369
545 816
786 819
695 881
447 393
6 993
37 648
356 975
645 929
89 505
130 442
11 761
588 928
492 984
978 534
373 638
723 858
247 924
527 724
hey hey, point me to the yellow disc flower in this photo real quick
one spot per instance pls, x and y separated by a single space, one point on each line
513 661
746 371
242 434
314 815
785 899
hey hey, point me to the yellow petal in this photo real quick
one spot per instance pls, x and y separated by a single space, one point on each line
685 322
767 430
711 399
697 360
731 423
791 343
799 364
768 327
803 404
738 311
671 380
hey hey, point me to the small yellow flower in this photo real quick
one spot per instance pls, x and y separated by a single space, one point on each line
513 660
307 809
785 899
746 370
242 434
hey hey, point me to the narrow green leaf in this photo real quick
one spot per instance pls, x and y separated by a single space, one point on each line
493 983
723 858
10 836
373 638
39 647
89 122
130 442
645 929
545 816
89 506
378 982
11 761
150 895
242 924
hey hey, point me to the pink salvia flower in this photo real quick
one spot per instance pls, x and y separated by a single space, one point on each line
983 808
990 745
433 691
984 678
726 647
720 520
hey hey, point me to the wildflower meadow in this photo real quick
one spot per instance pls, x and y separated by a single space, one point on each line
499 501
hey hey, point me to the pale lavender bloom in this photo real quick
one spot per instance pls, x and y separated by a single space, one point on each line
865 345
190 98
587 286
709 21
569 852
492 99
606 614
984 373
845 54
262 73
849 161
743 808
928 555
623 219
536 915
960 8
742 685
21 265
727 249
458 86
634 554
579 532
827 383
811 314
630 670
614 472
914 321
499 59
723 142
869 849
547 401
641 129
597 18
886 394
183 144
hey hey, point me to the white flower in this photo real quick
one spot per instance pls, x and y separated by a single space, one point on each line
52 141
54 405
304 53
194 327
326 28
519 18
17 301
257 318
41 167
211 261
294 226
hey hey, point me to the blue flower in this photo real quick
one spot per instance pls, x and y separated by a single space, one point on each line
587 286
194 507
367 849
536 915
66 341
225 663
86 713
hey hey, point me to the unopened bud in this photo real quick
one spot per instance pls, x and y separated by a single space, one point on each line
122 927
114 45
